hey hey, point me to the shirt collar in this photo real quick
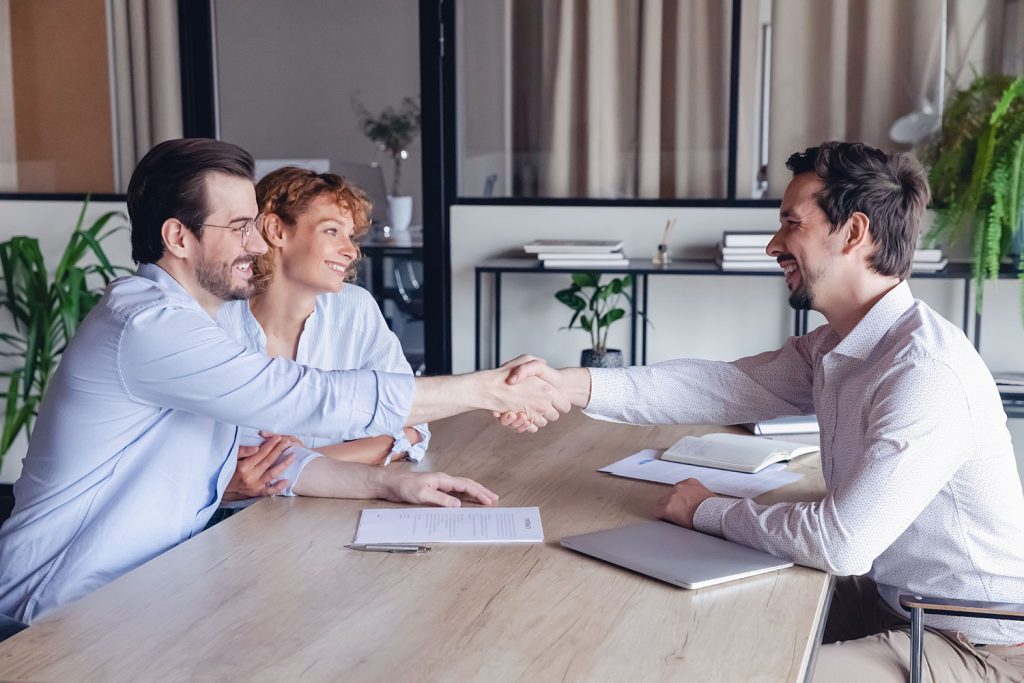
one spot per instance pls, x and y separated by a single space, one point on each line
168 284
863 338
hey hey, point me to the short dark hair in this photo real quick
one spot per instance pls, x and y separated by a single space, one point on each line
169 182
890 189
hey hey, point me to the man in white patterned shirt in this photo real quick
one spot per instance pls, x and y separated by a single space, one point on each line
923 494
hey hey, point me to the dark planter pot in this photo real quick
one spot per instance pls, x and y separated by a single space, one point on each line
612 358
6 501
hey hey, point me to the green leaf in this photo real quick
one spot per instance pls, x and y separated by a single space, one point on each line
585 279
616 286
570 299
585 323
611 316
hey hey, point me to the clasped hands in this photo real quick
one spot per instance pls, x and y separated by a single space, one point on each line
530 393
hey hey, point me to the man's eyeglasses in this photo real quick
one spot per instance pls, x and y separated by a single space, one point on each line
243 230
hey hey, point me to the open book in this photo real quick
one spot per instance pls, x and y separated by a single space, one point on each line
735 452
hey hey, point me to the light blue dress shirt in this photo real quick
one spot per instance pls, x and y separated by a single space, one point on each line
346 331
137 438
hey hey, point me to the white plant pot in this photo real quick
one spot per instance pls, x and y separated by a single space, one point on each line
400 211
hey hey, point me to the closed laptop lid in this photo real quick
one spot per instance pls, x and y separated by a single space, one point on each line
675 555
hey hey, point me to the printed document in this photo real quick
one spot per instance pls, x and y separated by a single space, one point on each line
648 466
450 525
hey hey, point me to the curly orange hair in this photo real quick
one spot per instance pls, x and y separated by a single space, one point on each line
289 191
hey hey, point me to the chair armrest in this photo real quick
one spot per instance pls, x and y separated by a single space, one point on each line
964 608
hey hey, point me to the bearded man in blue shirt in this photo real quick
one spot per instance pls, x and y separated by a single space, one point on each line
138 434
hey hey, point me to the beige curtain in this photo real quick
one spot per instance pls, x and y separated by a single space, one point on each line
147 79
603 103
848 69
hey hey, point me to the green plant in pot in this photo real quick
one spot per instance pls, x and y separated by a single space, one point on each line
46 308
595 307
394 129
977 174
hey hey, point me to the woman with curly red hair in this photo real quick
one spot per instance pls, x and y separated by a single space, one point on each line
307 309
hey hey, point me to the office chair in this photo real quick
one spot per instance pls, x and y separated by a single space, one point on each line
9 627
410 296
919 605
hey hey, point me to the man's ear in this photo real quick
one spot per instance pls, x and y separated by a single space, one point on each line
858 235
176 238
273 228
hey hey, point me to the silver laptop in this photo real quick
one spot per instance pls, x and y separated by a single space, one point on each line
675 555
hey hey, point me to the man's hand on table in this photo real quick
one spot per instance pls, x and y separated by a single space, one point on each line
259 467
681 504
432 488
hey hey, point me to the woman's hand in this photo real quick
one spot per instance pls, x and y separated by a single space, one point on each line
259 467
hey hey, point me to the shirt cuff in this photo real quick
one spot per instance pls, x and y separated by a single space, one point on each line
394 403
303 456
607 387
709 516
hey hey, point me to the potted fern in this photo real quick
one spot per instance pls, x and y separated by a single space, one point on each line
393 130
977 175
46 308
595 307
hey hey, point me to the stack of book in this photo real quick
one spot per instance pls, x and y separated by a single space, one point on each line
1011 387
745 251
595 254
929 261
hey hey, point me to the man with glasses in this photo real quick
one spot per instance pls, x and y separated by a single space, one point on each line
138 434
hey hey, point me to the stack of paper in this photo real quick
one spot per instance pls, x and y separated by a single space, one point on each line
586 254
928 261
799 424
746 251
647 466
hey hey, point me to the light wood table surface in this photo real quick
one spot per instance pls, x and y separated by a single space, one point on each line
272 594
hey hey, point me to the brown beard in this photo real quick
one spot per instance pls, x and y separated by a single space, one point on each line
216 279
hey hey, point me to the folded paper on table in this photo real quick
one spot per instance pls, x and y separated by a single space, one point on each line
450 525
647 466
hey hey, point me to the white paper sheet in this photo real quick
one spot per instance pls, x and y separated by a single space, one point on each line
647 466
450 525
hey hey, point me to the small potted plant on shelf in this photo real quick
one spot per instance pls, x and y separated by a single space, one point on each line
46 309
977 174
595 307
393 130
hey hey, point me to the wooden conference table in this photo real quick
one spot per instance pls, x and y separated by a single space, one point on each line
273 594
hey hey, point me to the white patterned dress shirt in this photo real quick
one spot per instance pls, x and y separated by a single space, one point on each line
922 490
346 331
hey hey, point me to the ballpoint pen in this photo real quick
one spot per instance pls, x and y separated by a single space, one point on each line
389 547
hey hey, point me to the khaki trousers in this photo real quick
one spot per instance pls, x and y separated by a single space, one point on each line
865 640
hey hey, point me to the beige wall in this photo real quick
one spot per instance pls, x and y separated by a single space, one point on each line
286 77
61 96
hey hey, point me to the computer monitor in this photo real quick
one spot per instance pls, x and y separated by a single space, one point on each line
370 178
265 166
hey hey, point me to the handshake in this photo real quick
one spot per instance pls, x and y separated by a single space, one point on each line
530 393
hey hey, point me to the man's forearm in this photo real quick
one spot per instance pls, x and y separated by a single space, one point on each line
575 385
436 398
329 478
